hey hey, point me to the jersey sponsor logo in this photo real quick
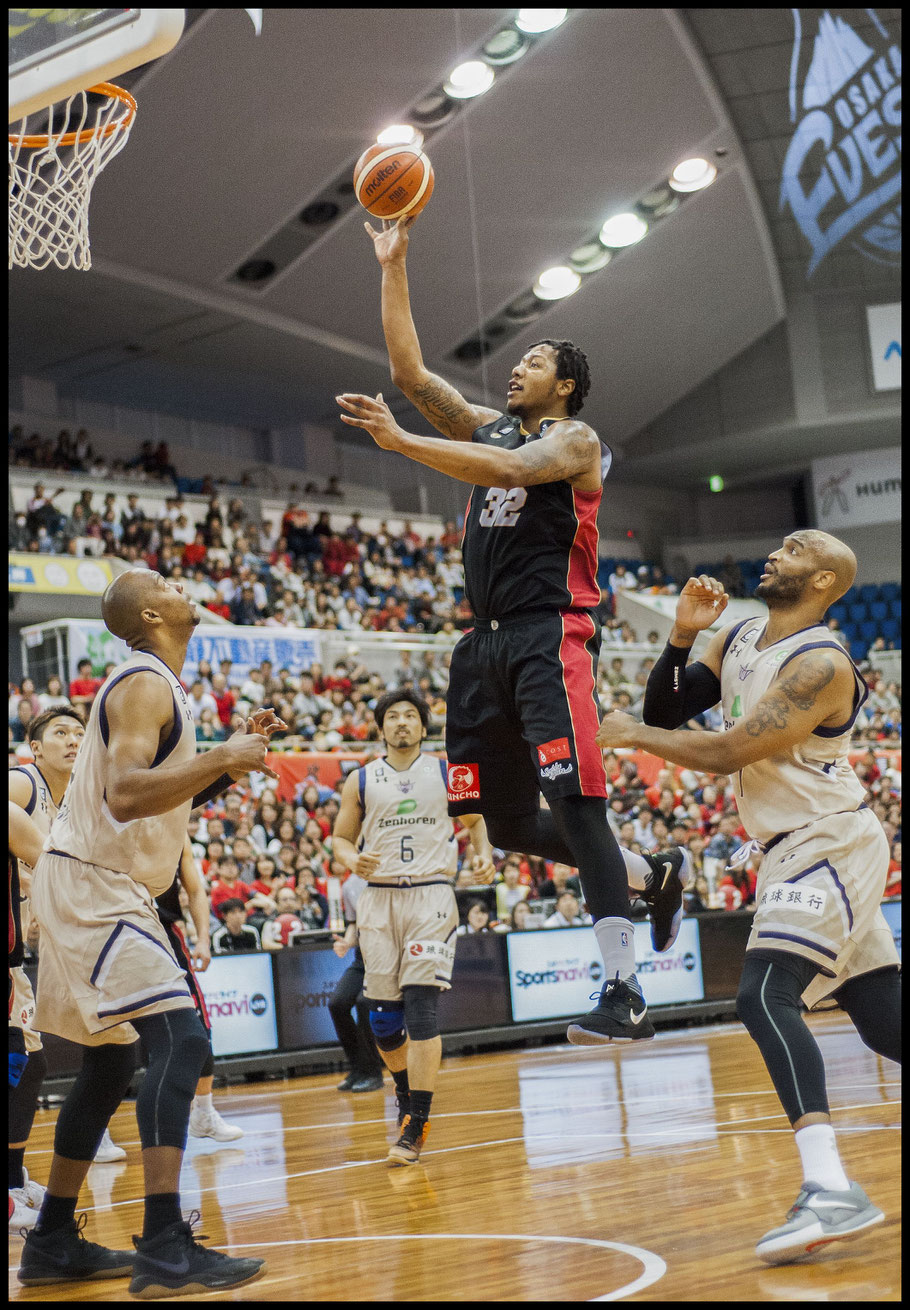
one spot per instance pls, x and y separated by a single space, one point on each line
431 951
786 896
464 782
554 770
558 749
406 807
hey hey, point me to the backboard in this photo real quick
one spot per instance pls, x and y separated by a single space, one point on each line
53 53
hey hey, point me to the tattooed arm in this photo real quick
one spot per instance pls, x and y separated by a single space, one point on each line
814 690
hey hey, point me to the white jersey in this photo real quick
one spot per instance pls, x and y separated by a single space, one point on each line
809 781
406 819
147 850
42 810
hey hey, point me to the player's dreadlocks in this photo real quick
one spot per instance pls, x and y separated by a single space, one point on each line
571 363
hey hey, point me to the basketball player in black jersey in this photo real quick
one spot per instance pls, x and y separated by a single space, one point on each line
523 689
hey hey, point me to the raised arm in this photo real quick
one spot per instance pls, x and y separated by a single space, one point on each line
675 693
439 402
569 452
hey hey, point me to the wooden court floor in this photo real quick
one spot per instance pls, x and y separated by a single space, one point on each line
553 1174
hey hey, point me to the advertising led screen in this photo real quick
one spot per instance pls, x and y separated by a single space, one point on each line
240 999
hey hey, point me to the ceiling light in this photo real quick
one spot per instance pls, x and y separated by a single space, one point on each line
400 134
622 230
692 175
659 203
589 257
255 270
535 21
525 307
505 47
555 283
433 109
470 79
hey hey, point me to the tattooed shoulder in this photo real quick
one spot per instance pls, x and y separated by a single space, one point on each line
812 673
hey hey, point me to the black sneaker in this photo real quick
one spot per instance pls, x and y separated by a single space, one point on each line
347 1083
621 1015
671 871
64 1256
404 1107
372 1082
173 1263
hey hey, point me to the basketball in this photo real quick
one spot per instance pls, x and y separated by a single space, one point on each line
288 923
390 181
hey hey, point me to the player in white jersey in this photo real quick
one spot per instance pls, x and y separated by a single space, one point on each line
790 696
106 970
393 829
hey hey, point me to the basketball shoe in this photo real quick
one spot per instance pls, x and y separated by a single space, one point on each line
64 1256
620 1015
207 1122
26 1201
817 1218
108 1152
670 872
409 1145
174 1263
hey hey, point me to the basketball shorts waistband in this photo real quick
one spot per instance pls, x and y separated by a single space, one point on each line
405 881
524 616
769 845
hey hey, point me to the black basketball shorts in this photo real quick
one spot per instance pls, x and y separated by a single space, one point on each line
522 713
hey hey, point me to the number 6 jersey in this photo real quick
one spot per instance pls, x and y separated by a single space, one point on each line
530 547
406 819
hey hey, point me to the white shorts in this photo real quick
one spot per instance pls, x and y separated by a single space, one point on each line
407 937
104 957
818 895
22 1014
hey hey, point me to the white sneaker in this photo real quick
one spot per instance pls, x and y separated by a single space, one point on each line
23 1214
107 1151
816 1218
31 1192
209 1123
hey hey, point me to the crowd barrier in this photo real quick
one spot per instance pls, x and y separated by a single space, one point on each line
269 1010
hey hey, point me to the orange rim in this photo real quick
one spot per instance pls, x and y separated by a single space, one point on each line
42 140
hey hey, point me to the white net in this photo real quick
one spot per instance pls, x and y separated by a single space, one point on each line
51 176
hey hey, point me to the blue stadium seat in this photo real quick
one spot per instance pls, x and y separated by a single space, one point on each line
857 612
850 631
838 611
894 608
878 610
891 629
868 631
890 591
868 592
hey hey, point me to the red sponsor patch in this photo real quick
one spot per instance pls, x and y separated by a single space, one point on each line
464 783
557 749
416 948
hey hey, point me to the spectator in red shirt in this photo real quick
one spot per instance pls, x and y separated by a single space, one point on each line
227 885
195 551
225 699
84 687
893 883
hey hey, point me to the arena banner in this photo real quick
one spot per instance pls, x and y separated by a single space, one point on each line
240 998
885 345
854 490
58 574
554 972
892 911
306 978
245 647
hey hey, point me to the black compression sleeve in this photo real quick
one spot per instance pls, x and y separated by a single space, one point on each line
675 693
214 789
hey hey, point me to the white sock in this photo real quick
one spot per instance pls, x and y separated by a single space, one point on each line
820 1158
616 939
638 870
203 1103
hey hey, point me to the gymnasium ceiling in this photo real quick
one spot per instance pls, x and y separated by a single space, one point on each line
236 134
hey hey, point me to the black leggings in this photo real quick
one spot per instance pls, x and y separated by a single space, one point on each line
175 1046
100 1086
356 1038
574 831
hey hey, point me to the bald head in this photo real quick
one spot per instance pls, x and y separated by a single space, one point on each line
123 602
831 555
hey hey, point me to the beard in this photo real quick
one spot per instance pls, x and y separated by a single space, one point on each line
780 592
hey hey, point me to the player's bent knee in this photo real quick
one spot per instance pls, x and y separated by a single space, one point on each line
387 1023
420 1006
771 982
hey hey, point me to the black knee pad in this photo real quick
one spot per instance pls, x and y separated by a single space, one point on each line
23 1098
101 1085
420 1005
176 1044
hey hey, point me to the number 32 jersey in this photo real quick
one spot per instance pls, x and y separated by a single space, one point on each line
406 819
530 547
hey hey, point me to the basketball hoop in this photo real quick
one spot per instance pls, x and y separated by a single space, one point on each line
51 176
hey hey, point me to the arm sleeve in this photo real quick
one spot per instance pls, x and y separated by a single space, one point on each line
675 693
214 789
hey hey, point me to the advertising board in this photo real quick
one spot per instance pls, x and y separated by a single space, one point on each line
240 999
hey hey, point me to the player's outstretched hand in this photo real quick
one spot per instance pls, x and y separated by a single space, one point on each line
617 730
484 870
701 603
245 752
392 242
265 720
374 416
